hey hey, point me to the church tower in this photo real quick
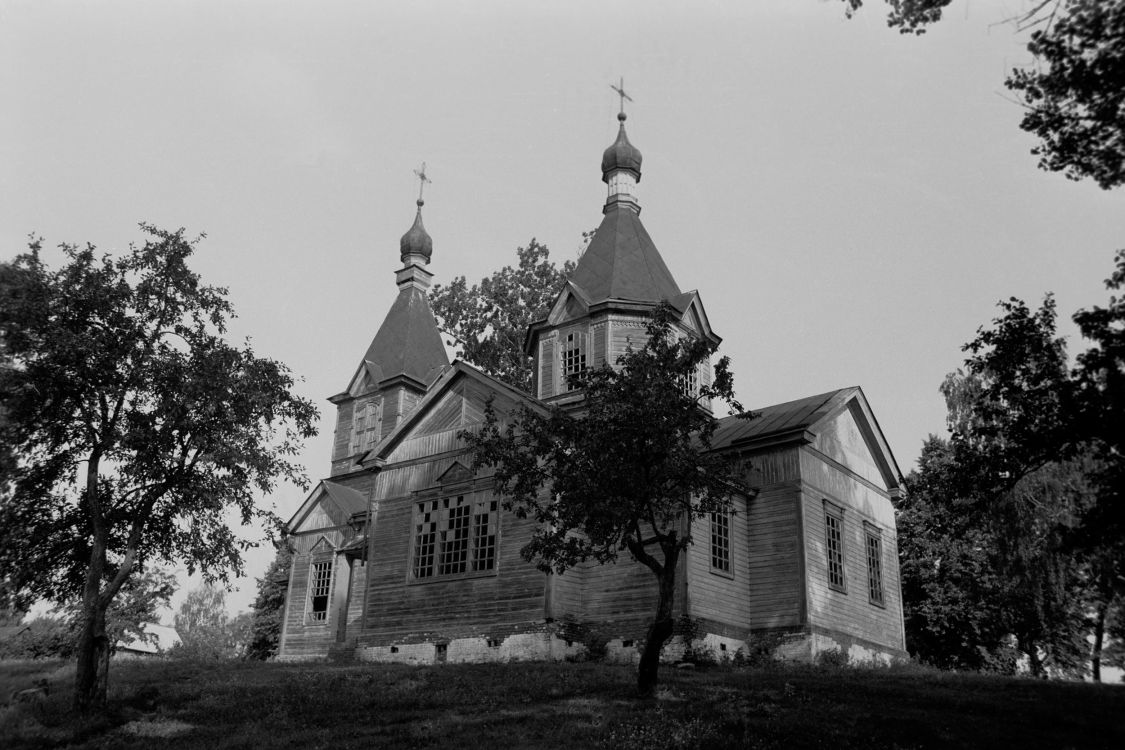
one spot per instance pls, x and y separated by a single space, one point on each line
404 358
617 283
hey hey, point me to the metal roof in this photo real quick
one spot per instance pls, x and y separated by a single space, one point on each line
623 263
408 342
779 420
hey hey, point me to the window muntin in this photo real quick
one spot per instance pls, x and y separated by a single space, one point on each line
834 546
455 536
573 357
720 542
320 586
874 546
689 383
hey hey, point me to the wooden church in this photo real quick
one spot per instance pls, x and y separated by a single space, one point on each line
405 554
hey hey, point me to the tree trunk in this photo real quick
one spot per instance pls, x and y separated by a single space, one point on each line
89 689
89 683
661 629
1099 640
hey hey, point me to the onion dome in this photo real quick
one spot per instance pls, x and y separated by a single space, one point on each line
417 241
622 155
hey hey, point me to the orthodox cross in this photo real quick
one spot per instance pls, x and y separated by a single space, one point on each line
422 180
620 89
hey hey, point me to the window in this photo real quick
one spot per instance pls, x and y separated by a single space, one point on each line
874 565
455 536
320 584
689 383
720 542
834 545
573 357
366 424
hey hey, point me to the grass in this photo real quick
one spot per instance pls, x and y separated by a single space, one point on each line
175 704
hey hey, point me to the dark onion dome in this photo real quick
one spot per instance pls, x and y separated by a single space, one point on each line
621 155
417 241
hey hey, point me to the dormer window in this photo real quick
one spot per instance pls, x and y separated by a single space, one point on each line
573 358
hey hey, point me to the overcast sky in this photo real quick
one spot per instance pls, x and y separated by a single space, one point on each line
850 203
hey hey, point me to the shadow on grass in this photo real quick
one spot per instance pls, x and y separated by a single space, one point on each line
172 704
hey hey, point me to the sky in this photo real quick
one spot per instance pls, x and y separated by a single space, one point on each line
850 203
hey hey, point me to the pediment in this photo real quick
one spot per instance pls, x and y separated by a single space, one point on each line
851 437
570 304
458 472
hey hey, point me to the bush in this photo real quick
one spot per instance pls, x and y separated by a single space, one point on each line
594 641
836 658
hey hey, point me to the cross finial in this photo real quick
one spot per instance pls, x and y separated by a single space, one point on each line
620 89
420 172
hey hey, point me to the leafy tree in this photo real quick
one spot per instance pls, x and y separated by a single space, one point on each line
487 321
1073 96
137 428
203 626
269 607
627 474
138 605
950 586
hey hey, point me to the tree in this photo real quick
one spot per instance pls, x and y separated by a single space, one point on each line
629 473
269 607
203 626
487 321
1073 96
137 429
136 606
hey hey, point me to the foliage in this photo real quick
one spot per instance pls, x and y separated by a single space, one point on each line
487 321
137 428
138 604
269 607
206 632
45 637
629 472
1072 94
1011 531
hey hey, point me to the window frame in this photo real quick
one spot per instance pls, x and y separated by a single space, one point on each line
834 554
873 552
327 565
367 419
721 543
582 356
473 550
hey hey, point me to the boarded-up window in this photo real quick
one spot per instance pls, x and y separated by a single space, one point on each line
455 536
834 545
573 357
874 565
720 542
366 425
320 586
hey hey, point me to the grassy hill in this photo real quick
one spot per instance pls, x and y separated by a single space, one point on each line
172 705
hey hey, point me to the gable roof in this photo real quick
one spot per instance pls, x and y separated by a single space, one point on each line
408 342
458 371
801 420
623 263
348 500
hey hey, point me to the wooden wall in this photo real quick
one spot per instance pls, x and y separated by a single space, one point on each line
777 596
714 595
849 611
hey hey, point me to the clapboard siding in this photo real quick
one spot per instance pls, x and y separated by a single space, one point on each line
303 639
720 596
341 443
850 611
619 597
776 594
398 609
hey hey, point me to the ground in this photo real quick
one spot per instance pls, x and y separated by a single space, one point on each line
541 705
